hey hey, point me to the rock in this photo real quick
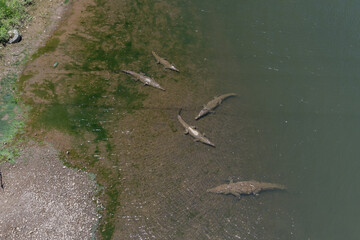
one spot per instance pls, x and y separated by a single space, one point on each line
14 36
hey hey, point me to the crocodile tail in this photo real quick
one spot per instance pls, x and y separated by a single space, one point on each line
276 186
179 111
281 187
124 71
155 55
229 95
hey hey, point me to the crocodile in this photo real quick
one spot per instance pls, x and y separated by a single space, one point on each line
198 137
211 105
144 79
164 62
245 188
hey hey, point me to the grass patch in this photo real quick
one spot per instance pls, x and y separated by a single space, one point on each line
12 15
10 124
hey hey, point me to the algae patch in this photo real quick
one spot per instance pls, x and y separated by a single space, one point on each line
50 46
10 121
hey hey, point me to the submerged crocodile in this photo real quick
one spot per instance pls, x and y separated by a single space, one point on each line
245 188
210 106
198 137
144 79
164 62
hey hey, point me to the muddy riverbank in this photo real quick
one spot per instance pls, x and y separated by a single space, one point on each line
104 119
154 178
41 198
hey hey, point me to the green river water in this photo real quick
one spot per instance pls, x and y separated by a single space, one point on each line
295 64
294 121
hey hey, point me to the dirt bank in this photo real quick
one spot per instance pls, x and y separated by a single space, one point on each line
41 199
45 17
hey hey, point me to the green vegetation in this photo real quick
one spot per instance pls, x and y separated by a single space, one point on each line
12 15
22 80
50 46
10 124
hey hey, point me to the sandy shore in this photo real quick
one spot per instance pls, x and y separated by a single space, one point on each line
42 199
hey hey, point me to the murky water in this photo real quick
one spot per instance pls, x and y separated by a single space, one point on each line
294 64
293 121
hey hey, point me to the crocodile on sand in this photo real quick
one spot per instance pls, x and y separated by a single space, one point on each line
245 188
164 62
144 79
210 106
198 137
